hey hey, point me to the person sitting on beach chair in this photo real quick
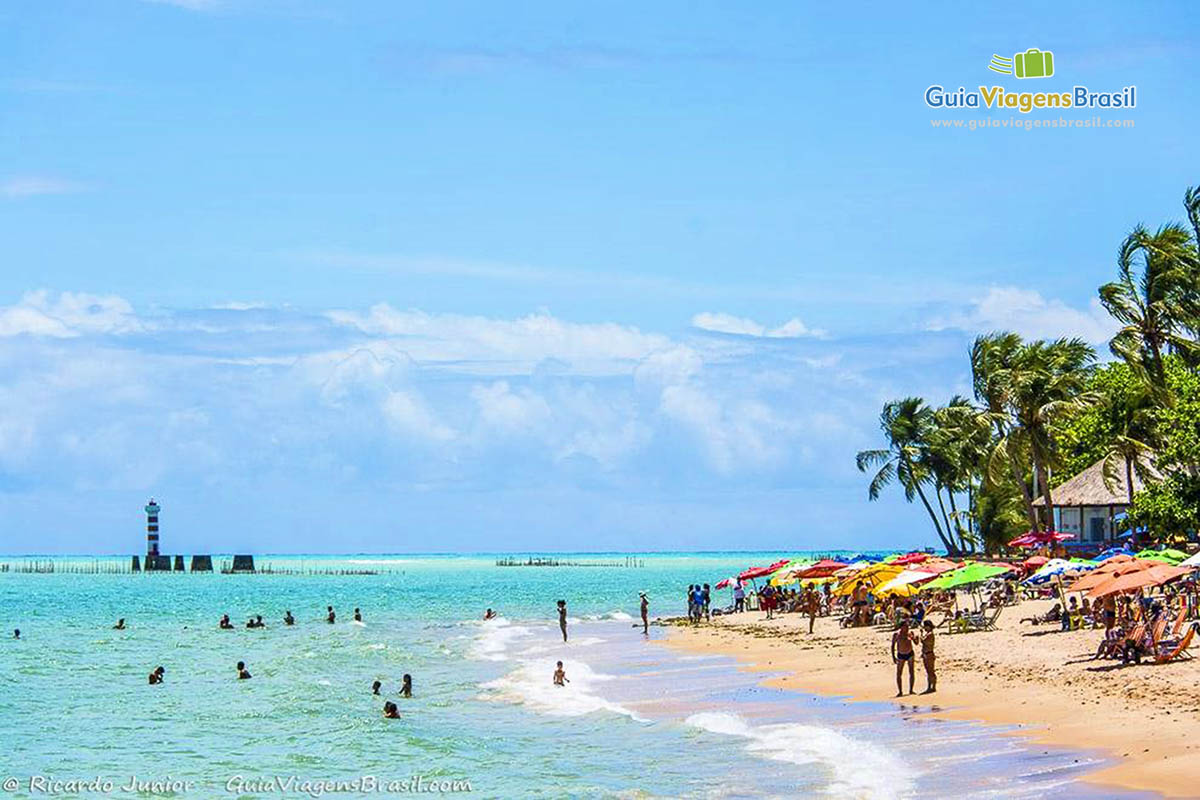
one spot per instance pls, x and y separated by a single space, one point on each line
1053 615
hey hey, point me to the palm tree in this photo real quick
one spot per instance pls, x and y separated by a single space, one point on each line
1155 290
905 425
1049 384
1130 448
957 445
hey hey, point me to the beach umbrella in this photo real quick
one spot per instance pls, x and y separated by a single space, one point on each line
758 572
967 576
1110 553
936 566
851 569
904 584
1056 567
1166 555
725 584
821 569
1193 561
1039 538
1109 569
910 558
870 577
1034 562
1155 575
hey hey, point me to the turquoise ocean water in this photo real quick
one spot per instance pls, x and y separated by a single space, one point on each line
637 720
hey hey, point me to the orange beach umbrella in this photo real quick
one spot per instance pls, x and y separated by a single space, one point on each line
1141 579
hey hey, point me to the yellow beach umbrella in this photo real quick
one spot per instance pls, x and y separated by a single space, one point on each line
906 584
870 577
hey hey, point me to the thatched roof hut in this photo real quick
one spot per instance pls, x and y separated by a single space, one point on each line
1089 488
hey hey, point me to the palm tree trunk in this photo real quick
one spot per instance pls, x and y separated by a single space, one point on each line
1129 479
958 527
1030 511
951 548
1044 484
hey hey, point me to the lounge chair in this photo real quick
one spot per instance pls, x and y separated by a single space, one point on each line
1170 651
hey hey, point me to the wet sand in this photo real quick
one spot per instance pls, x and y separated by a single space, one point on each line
1040 680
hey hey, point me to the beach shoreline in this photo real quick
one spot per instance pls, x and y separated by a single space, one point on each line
1038 682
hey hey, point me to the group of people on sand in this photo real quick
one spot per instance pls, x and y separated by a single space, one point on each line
699 600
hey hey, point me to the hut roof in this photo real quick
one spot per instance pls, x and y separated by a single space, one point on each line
1089 488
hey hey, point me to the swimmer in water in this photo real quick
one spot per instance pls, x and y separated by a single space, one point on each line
243 673
391 710
560 677
489 614
330 617
120 626
357 615
225 624
157 676
562 617
375 687
258 622
406 686
17 633
288 619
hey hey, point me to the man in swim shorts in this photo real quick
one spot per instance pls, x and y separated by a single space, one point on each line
902 653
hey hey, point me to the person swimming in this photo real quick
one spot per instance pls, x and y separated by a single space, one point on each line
376 686
562 617
225 624
288 619
256 622
330 617
391 710
357 615
560 676
489 614
406 685
157 676
243 673
120 626
16 633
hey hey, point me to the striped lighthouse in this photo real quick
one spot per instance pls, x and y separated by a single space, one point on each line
151 532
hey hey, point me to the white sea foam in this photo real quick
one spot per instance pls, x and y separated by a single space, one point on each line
858 769
495 637
619 616
531 685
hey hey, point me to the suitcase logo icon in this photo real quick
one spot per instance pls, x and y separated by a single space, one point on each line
1033 63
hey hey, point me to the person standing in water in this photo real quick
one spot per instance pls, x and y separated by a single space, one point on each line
330 617
391 710
243 673
562 618
357 615
120 626
406 685
645 615
288 619
560 676
928 658
16 633
156 677
375 687
902 653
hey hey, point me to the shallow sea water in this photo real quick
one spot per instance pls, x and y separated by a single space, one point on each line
637 719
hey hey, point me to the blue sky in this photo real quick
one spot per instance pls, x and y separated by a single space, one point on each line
483 276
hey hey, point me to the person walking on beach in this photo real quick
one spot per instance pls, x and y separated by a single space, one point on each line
927 657
560 676
902 653
562 618
739 597
812 605
707 595
645 615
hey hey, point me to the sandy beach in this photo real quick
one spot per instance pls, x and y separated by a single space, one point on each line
1039 679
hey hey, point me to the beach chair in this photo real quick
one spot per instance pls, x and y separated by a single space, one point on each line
1168 651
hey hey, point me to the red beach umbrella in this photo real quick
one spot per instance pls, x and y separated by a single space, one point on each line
1039 538
724 584
911 558
822 569
758 572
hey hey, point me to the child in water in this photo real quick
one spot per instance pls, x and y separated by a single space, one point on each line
560 676
243 673
391 710
406 686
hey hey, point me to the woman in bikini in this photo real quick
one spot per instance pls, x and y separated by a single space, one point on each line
902 653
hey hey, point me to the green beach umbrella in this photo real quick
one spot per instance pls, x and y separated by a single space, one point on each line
965 576
1167 556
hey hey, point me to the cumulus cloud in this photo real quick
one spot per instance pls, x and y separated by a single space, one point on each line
719 322
68 315
1028 313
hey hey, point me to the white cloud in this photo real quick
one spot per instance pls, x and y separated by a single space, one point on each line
719 322
407 413
503 345
1028 313
36 185
68 315
502 409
